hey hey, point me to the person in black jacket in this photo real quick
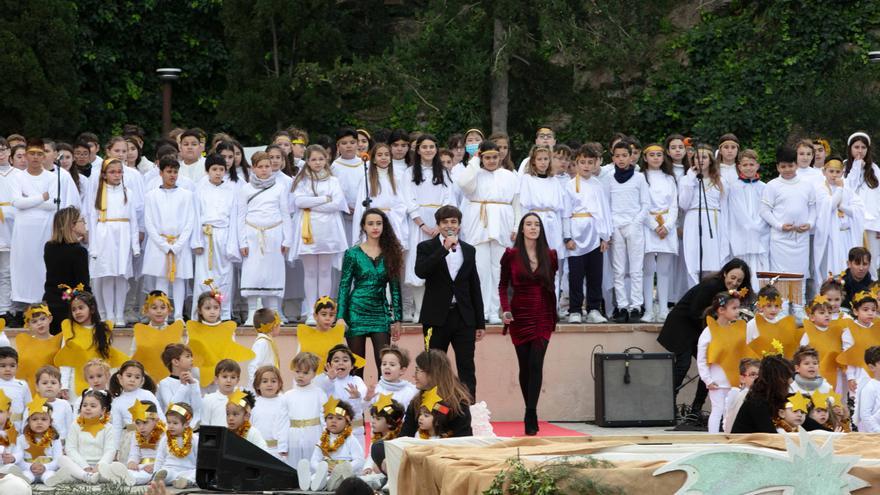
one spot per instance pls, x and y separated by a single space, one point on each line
67 262
452 307
685 322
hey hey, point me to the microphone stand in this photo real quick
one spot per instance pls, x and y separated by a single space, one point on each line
367 200
701 200
58 177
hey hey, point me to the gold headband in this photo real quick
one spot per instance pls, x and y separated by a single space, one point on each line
139 412
267 327
35 149
364 132
154 298
488 153
325 300
545 130
179 410
653 147
297 141
824 143
728 141
474 130
31 312
834 165
332 407
764 301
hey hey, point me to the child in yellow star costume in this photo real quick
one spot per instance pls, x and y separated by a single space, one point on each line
86 337
150 340
37 348
823 333
828 412
8 435
720 348
857 336
339 452
326 333
767 326
212 340
795 413
40 444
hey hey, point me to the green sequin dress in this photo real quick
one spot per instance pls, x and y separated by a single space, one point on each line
363 303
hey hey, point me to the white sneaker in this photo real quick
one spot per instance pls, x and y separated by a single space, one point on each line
661 316
574 318
340 472
160 476
562 313
116 472
63 475
249 321
181 483
594 316
375 480
648 317
303 474
319 479
13 470
119 323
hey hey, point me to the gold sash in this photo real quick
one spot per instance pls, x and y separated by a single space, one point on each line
304 423
307 227
208 230
262 231
170 259
3 203
581 215
658 216
484 215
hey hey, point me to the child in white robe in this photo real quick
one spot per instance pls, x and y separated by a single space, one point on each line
269 415
238 417
385 183
8 175
139 466
129 384
753 234
863 177
661 237
177 449
39 445
169 219
182 385
90 443
340 381
348 168
728 149
303 405
319 237
264 231
839 221
267 323
339 454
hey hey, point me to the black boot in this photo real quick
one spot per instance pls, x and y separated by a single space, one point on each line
531 422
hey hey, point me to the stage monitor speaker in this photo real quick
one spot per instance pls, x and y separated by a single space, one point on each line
634 389
227 462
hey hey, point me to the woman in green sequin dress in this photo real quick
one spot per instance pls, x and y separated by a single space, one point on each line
368 270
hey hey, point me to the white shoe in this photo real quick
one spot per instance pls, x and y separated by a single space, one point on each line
594 316
116 472
574 318
93 478
319 479
13 470
63 475
562 313
249 321
340 472
661 316
648 317
160 476
303 474
181 483
494 320
310 321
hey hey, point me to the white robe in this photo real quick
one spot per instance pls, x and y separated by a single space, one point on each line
713 219
546 198
217 207
492 205
326 203
113 243
839 227
304 404
169 212
350 174
423 200
262 271
663 194
134 185
752 234
270 418
587 196
8 176
64 184
194 171
870 196
789 202
392 202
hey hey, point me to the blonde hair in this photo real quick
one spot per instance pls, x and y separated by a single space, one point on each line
307 171
531 170
62 225
100 363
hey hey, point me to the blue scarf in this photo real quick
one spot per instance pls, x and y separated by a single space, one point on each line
622 175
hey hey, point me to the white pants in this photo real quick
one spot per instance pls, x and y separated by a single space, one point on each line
176 292
141 477
173 474
5 284
627 258
488 259
317 279
73 468
874 249
418 293
110 295
661 264
717 398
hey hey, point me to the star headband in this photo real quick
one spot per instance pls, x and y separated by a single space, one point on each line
34 311
834 165
798 402
825 400
653 147
215 291
267 327
766 301
838 279
733 294
325 301
778 349
177 409
154 298
69 292
139 412
38 405
862 295
239 398
818 301
332 407
383 405
431 401
854 135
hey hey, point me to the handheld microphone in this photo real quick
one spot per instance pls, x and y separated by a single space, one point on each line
450 233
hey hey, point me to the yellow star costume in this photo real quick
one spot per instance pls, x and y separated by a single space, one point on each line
150 344
785 331
863 338
211 344
34 353
798 402
319 342
8 428
828 344
78 349
728 347
430 399
825 401
385 400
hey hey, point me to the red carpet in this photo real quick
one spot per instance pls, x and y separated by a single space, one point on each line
515 429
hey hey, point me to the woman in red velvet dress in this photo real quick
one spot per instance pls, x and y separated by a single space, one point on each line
530 315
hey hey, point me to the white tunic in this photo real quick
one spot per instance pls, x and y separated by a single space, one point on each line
19 393
168 461
812 175
64 184
172 391
120 416
215 211
352 450
752 235
789 202
264 355
62 416
169 220
630 201
214 409
402 391
728 172
263 227
839 227
590 218
423 200
134 186
338 388
8 176
663 194
193 171
350 173
492 204
86 450
326 202
303 405
30 232
392 202
855 180
270 418
112 243
546 198
714 222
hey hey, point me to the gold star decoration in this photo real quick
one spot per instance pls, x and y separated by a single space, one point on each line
138 411
430 399
238 398
5 401
383 402
798 402
38 405
319 342
825 400
332 407
35 450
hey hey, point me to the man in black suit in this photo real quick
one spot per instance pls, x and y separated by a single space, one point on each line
453 305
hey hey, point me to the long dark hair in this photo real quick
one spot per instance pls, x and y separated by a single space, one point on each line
228 146
733 265
116 386
101 336
544 272
437 170
375 186
665 165
73 170
772 382
245 166
102 395
436 364
392 251
868 161
666 142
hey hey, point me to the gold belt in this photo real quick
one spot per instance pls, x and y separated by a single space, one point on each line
430 205
262 231
658 216
581 215
541 210
707 210
15 417
170 259
386 210
307 227
3 203
147 460
208 230
484 215
334 462
303 423
130 427
272 444
103 220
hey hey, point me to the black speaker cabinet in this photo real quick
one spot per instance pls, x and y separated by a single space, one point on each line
634 389
227 462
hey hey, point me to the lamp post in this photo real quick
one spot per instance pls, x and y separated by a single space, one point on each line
874 56
168 75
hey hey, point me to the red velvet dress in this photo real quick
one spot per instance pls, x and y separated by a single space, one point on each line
533 306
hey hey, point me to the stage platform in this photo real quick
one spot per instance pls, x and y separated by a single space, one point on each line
567 392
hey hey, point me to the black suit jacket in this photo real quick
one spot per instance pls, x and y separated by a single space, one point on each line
439 286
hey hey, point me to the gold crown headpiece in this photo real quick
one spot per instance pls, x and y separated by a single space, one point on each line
778 349
332 407
151 298
139 412
239 398
34 311
215 291
268 326
798 402
176 408
38 405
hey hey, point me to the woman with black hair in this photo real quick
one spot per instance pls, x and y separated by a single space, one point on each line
530 316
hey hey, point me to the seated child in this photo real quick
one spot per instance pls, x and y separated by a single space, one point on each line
16 390
10 454
806 367
48 387
182 385
39 444
97 375
176 452
142 456
238 417
304 404
339 380
395 361
432 416
867 410
828 412
795 413
270 416
386 420
90 443
748 371
339 454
